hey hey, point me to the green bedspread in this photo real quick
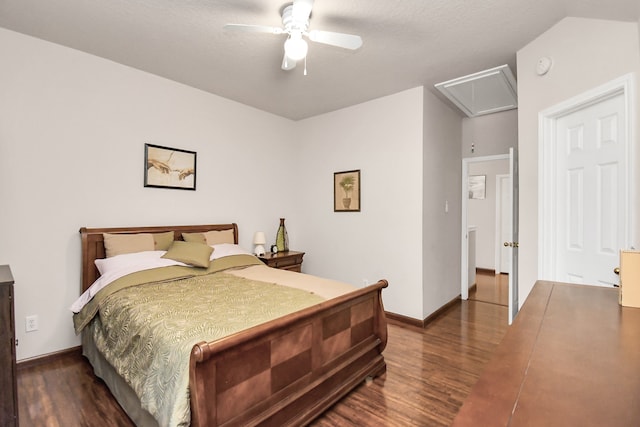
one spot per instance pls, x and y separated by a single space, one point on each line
146 331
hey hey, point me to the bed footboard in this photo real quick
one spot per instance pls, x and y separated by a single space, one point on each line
288 371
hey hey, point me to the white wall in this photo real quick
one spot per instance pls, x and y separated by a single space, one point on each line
482 212
408 148
442 175
586 53
72 134
490 134
383 139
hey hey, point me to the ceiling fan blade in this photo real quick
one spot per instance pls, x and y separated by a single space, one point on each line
347 41
287 63
253 28
301 10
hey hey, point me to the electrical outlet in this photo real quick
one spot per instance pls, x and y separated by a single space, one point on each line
31 323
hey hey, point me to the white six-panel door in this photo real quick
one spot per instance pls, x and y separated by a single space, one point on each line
590 192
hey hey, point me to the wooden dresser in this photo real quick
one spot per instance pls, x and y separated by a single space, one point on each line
8 381
571 358
289 260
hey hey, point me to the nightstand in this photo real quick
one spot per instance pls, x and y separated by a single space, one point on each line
289 260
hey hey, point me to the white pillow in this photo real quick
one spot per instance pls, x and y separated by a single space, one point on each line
222 250
119 266
126 261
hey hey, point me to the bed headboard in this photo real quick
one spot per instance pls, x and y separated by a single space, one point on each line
93 242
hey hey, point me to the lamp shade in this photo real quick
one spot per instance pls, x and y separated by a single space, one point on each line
295 47
259 238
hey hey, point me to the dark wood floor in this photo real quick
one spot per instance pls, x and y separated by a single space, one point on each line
430 371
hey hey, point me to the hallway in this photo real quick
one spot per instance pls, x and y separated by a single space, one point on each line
490 288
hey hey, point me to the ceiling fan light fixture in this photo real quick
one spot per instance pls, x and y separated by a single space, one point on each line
296 47
295 23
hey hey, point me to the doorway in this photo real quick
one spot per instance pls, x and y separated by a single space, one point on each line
485 214
586 209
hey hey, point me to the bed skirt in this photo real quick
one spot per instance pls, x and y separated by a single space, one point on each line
124 394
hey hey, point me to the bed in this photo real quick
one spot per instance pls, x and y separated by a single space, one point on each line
282 372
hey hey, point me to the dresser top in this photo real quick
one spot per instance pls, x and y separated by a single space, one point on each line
5 275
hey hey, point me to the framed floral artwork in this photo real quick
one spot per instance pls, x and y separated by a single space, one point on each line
346 191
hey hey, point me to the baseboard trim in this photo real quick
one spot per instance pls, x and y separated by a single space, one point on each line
46 358
401 320
433 316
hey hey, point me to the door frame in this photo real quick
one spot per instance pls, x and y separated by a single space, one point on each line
500 188
547 121
464 251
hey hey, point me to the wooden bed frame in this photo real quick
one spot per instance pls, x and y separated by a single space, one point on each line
284 372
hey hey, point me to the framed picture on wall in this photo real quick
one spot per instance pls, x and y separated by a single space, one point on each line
477 186
166 167
346 191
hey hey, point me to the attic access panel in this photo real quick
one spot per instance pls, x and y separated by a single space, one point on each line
485 92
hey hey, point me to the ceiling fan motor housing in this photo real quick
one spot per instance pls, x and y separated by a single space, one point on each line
292 23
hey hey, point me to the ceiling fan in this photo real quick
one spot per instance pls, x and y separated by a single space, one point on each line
295 23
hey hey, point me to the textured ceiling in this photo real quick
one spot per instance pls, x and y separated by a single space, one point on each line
407 43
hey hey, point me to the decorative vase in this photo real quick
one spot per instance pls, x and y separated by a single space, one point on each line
282 238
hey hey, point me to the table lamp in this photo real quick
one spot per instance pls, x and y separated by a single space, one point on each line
259 240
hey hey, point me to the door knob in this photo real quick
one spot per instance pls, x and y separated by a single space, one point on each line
512 244
616 270
507 244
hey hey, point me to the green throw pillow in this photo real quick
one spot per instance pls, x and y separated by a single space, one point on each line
195 254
